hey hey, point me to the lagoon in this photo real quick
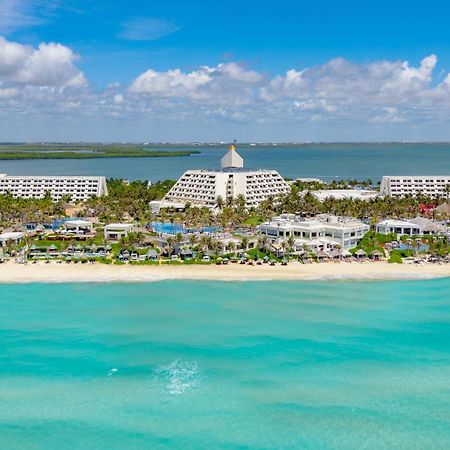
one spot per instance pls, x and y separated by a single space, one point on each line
326 161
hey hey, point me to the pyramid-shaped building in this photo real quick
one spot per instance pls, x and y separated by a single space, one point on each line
202 187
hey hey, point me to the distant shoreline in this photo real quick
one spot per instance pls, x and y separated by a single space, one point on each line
11 273
221 145
9 153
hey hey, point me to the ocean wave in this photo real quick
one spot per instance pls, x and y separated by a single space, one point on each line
179 376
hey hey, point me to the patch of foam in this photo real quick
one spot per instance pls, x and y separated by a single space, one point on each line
112 372
179 376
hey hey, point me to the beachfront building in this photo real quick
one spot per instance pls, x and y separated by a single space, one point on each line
321 233
398 227
202 188
418 226
11 237
399 186
78 226
309 180
117 231
341 194
78 188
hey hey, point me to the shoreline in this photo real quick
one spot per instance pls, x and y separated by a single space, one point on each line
12 273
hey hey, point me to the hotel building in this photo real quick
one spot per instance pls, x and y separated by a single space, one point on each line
203 187
322 233
418 226
399 186
342 194
79 188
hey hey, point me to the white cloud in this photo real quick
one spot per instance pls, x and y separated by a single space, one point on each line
51 64
15 14
389 114
345 82
147 29
227 82
339 94
8 93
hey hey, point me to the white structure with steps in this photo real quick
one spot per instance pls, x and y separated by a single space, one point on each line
201 188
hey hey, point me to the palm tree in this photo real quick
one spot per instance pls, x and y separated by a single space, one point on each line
219 202
262 242
169 248
192 239
244 242
231 247
290 243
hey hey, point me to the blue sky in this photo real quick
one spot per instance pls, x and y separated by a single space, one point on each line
203 70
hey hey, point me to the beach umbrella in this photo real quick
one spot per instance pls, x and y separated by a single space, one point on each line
376 254
360 253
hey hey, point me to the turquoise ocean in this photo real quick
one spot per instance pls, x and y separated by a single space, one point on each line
206 365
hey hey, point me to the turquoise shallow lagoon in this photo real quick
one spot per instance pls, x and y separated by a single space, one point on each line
193 365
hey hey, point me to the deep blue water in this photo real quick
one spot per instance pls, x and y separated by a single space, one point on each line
327 161
206 365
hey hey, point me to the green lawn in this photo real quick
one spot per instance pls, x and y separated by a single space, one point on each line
253 221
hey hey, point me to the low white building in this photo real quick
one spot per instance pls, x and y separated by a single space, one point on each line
78 226
398 227
431 185
79 188
323 232
117 231
415 227
12 237
310 180
202 187
340 194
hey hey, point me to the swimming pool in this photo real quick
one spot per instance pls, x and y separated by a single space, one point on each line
175 228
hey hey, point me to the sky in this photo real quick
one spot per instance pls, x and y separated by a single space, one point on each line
172 71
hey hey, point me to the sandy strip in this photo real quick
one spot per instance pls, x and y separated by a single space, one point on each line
59 273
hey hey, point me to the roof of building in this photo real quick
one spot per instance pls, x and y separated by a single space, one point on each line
118 226
397 223
318 222
428 225
11 235
232 159
338 194
78 223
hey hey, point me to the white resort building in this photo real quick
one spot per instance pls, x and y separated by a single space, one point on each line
203 187
322 233
342 194
117 231
418 226
399 186
79 188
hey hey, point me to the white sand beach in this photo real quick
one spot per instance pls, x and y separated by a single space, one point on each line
11 272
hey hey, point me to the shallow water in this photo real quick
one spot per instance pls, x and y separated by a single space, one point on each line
184 364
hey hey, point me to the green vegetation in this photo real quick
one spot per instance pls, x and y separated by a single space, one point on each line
253 220
60 151
299 185
396 256
372 241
